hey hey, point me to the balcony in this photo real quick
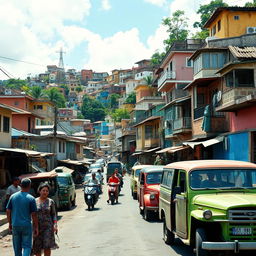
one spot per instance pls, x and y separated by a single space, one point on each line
177 94
152 142
167 76
182 125
199 112
237 98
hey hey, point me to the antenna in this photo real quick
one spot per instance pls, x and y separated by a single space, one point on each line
61 62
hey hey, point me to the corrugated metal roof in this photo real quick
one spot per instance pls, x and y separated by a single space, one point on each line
244 53
18 133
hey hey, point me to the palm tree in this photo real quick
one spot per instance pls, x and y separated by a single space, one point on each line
55 96
148 80
36 92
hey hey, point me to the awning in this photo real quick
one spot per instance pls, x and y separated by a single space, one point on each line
205 143
39 175
171 149
67 161
137 153
151 150
29 153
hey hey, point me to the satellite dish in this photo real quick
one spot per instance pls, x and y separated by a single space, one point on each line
219 96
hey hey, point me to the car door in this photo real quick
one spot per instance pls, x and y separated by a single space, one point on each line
165 195
142 188
181 205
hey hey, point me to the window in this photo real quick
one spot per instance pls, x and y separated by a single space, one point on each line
214 30
39 106
167 178
219 25
148 131
240 78
189 63
236 17
59 146
6 124
182 181
63 147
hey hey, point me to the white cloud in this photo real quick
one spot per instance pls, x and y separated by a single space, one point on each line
105 5
29 29
156 2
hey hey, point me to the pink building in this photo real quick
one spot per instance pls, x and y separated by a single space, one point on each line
174 74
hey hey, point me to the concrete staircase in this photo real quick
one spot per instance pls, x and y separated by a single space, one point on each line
4 227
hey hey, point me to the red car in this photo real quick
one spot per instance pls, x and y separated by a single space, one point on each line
148 190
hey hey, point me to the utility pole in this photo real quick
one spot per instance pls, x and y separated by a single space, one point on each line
55 134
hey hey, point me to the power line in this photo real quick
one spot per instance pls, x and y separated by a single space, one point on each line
6 73
23 61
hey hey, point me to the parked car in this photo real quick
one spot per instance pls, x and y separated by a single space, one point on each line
210 205
134 179
96 167
148 190
100 161
41 177
112 165
67 190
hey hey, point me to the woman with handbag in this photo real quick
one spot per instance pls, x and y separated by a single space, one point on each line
47 221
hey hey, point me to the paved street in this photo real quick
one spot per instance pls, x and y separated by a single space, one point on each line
109 230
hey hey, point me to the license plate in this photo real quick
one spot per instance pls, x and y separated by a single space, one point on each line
241 231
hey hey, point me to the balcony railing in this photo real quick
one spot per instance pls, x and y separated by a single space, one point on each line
199 112
167 75
182 123
233 98
178 93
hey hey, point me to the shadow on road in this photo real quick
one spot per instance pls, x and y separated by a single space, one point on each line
93 210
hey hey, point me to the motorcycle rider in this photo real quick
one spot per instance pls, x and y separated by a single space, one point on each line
95 181
114 179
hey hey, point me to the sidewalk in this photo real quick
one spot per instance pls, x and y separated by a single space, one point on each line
3 224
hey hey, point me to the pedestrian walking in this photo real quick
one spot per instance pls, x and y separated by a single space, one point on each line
12 189
47 222
20 208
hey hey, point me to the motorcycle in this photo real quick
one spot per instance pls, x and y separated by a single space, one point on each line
112 187
91 195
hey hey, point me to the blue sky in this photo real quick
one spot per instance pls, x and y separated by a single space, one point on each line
95 34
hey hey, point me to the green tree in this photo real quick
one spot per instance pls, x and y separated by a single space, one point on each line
66 89
36 92
177 27
56 97
118 114
92 109
15 83
131 98
251 4
79 89
205 11
157 58
113 100
148 80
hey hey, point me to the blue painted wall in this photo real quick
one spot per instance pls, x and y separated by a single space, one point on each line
237 147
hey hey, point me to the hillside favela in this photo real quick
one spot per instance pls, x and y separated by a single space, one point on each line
128 128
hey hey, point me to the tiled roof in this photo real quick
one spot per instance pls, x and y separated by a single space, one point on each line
243 53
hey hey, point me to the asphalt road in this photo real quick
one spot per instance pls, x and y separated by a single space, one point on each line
113 230
109 230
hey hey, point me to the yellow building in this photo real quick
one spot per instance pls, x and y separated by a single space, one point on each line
44 109
231 22
147 135
6 125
